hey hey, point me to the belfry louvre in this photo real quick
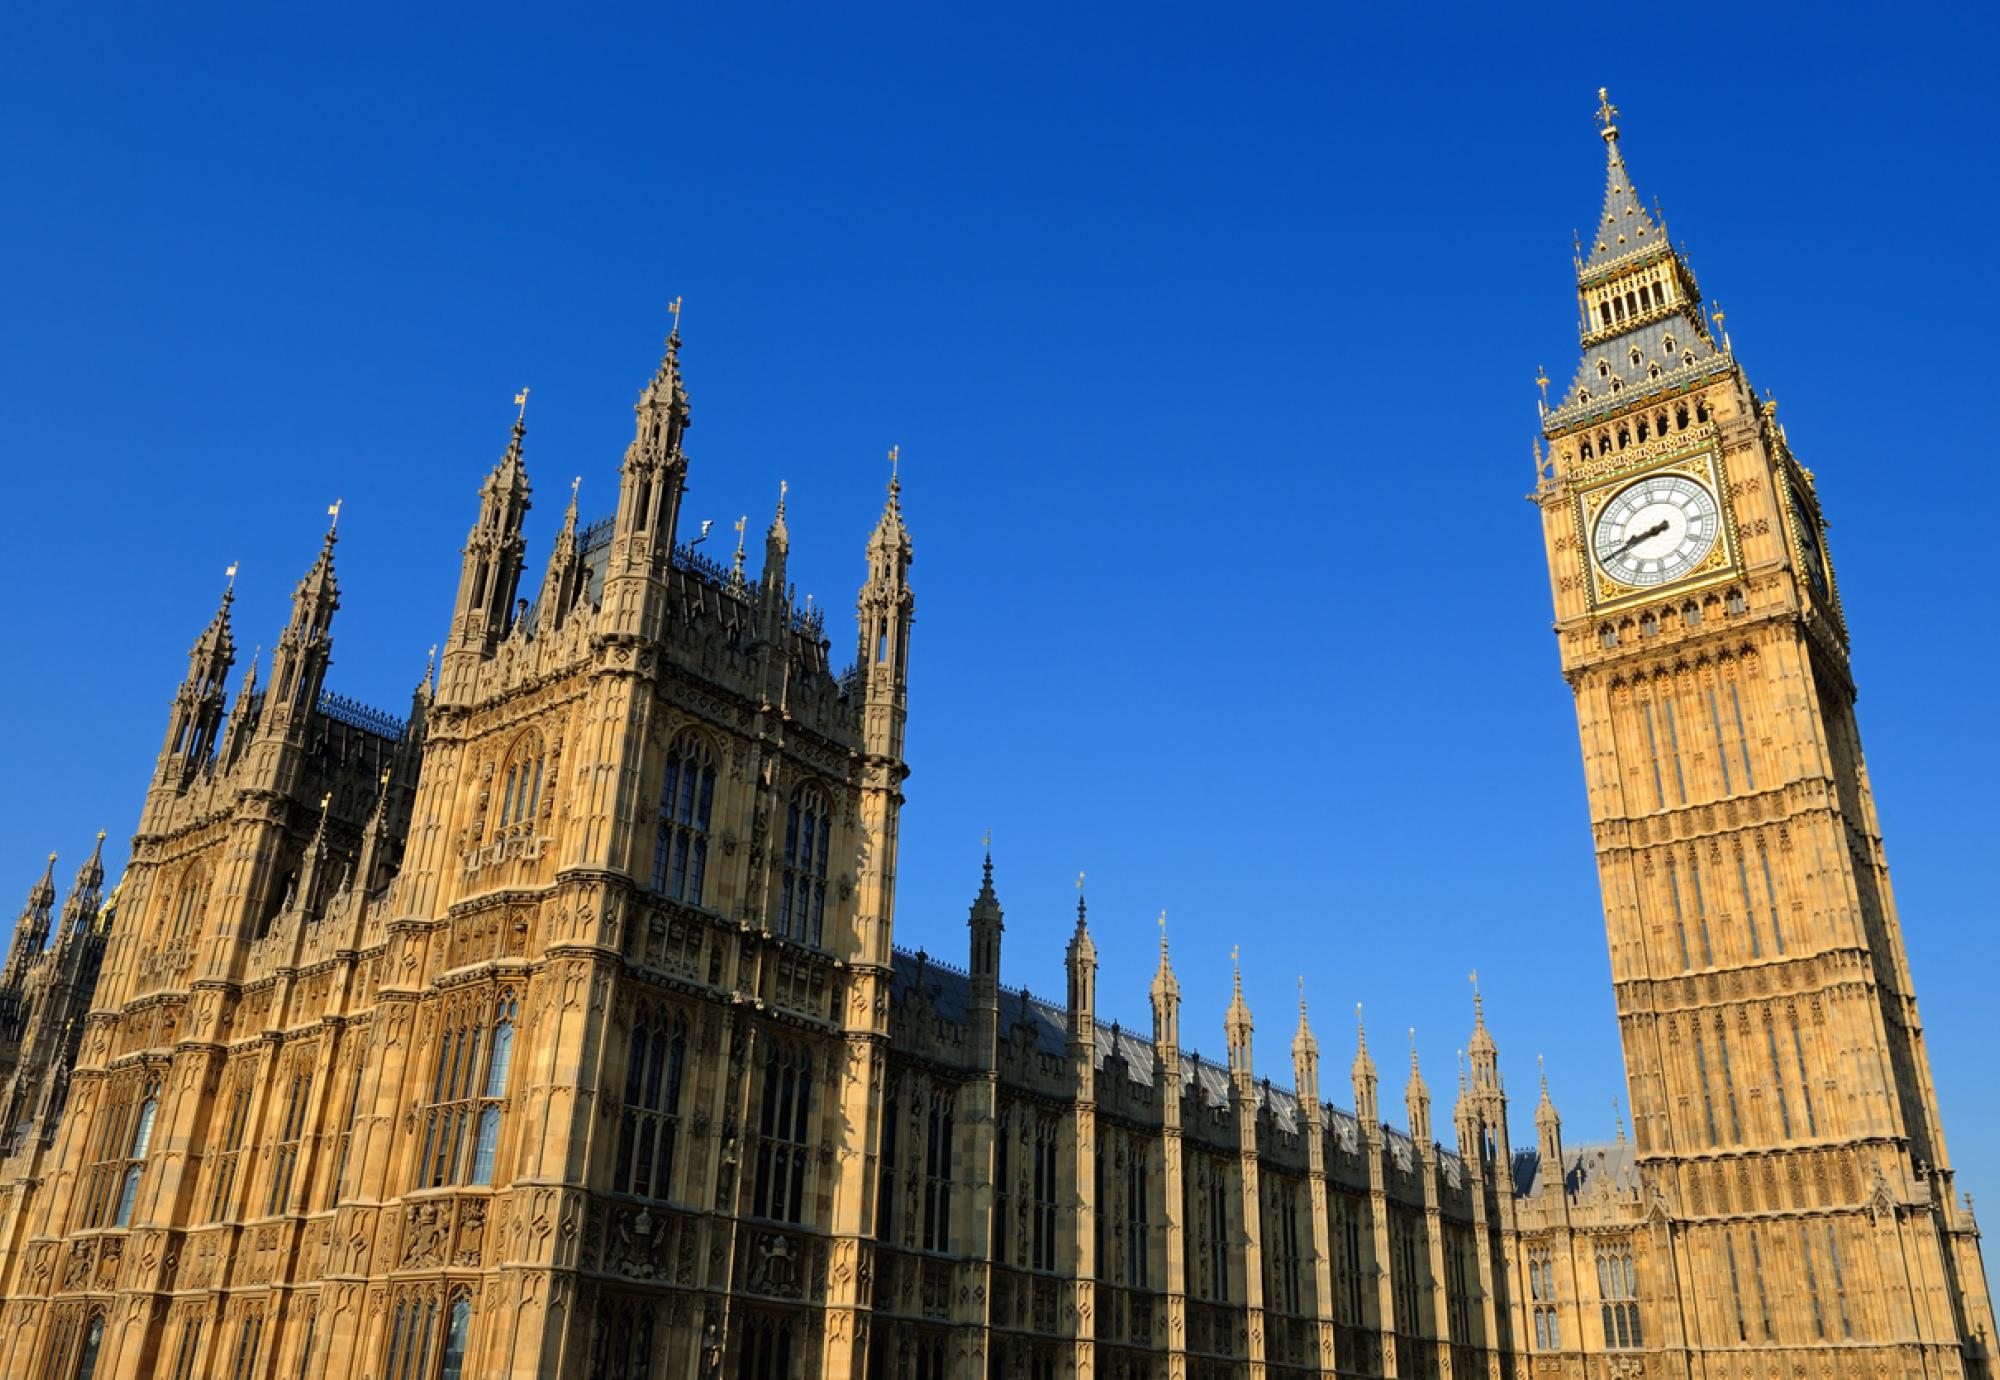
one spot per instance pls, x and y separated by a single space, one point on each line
558 1028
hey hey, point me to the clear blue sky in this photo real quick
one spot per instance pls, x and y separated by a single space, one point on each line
1194 326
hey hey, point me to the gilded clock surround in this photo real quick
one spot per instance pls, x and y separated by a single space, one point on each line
1721 563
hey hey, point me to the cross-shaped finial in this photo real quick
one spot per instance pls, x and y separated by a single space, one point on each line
1163 924
1607 114
1542 381
1717 314
1474 976
521 401
1234 950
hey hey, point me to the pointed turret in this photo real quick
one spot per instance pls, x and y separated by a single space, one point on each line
490 566
86 893
1366 1109
1080 962
1624 227
196 719
243 715
1305 1055
305 649
1548 1136
314 881
1480 1049
1417 1099
985 924
565 573
884 612
31 931
1166 998
1237 1025
651 483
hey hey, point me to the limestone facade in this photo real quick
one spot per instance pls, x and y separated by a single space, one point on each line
558 1027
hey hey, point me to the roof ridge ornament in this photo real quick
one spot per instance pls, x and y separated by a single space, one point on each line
1607 116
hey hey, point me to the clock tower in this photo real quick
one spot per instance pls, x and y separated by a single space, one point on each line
1787 1130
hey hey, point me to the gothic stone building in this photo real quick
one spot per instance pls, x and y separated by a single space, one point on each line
557 1028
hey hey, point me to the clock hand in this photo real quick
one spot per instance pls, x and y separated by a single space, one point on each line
1635 539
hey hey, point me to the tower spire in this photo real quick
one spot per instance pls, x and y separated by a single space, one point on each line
305 648
31 931
85 893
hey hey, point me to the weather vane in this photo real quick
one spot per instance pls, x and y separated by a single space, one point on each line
231 573
521 401
674 308
333 511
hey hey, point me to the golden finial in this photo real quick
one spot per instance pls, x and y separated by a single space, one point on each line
1079 880
574 485
1717 314
333 511
1235 956
326 802
1473 977
988 841
674 309
1542 381
231 573
521 401
1607 115
895 457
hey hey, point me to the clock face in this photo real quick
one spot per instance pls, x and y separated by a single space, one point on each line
1810 554
1656 530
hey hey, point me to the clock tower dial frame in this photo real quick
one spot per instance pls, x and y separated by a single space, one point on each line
1695 519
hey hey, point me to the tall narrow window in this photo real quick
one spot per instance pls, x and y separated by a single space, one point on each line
1680 920
347 1131
802 892
1757 1274
248 1336
885 1181
1721 743
1288 1249
649 1129
1839 1281
291 1133
782 1155
1805 1079
1735 1287
142 1138
767 1350
1749 905
1135 1216
1729 1086
1778 1078
459 1322
1701 909
1218 1235
687 801
1043 1218
1771 895
1674 745
229 1151
468 1083
1653 749
1701 1076
191 902
190 1344
93 1339
1736 705
937 1175
1812 1284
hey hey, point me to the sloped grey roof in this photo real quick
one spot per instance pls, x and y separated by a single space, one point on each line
1623 227
1590 389
1596 1168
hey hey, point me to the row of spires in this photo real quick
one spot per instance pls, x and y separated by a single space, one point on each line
82 911
1481 1093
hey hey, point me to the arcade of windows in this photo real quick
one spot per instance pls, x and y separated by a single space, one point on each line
1618 1291
112 1188
1542 1294
1637 430
649 1127
415 1352
802 891
521 788
687 803
784 1127
462 1117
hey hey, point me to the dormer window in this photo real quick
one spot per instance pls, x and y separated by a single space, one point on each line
1603 370
1635 357
1668 344
1687 356
1652 371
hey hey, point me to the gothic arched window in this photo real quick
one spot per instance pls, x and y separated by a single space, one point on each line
802 893
468 1083
521 785
687 801
190 902
649 1129
142 1138
782 1132
291 1137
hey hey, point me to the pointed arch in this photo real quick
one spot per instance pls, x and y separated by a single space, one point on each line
808 844
686 810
